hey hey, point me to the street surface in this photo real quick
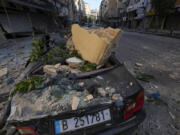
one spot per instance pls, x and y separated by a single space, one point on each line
160 57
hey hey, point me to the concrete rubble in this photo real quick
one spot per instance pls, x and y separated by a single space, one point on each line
3 72
95 45
60 93
88 98
75 62
75 103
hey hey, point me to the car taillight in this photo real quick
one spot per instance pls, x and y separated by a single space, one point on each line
26 131
134 106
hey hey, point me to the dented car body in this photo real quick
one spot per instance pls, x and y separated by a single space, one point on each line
117 109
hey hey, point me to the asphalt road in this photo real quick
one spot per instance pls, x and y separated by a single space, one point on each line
160 58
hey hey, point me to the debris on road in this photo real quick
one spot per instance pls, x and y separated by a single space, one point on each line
131 83
3 72
95 45
139 64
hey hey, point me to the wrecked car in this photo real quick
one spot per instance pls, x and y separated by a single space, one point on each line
78 97
116 106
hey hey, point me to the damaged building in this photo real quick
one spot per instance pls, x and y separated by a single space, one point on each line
38 16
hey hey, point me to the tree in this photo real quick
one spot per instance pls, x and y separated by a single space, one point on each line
163 8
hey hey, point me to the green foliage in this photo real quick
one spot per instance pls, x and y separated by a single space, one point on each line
62 45
163 7
58 96
90 19
37 52
84 19
59 51
28 85
74 53
63 52
88 67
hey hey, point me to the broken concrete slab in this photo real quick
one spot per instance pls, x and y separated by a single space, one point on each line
74 62
88 98
3 72
95 45
102 92
50 70
75 103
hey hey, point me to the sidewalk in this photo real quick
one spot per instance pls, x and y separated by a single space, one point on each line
175 34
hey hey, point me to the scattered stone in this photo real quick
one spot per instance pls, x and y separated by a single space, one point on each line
172 116
95 45
3 72
50 70
81 84
102 92
65 68
88 98
99 77
78 94
58 65
108 88
86 92
117 97
75 62
139 64
131 83
75 103
112 90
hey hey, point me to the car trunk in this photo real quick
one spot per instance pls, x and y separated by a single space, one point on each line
115 76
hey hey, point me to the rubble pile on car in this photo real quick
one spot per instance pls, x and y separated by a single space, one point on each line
59 90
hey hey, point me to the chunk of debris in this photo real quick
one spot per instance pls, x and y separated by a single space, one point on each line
50 70
75 103
102 92
75 62
131 83
88 98
95 45
3 72
99 77
139 64
78 94
81 84
117 97
70 45
86 92
65 68
58 65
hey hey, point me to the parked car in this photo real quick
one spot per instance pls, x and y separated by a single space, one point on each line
103 118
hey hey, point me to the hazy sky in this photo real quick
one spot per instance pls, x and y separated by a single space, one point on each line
94 4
